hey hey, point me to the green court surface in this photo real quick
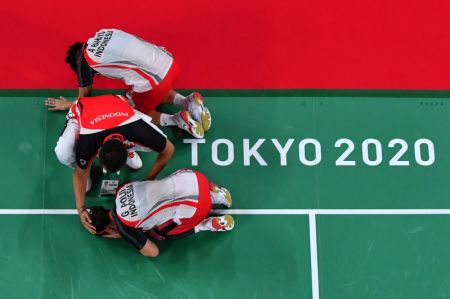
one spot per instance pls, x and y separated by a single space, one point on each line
335 196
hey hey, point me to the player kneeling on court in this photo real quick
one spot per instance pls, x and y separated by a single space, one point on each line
148 70
109 127
170 208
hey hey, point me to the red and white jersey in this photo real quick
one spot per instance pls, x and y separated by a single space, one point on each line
96 114
147 204
117 54
107 115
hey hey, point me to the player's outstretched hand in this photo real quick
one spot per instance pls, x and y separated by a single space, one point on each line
87 222
58 104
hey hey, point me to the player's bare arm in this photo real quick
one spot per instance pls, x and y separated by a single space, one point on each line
80 177
84 91
161 161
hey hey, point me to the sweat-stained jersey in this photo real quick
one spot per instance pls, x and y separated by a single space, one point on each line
117 54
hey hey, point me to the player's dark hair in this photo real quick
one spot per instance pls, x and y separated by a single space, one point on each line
100 218
73 55
113 155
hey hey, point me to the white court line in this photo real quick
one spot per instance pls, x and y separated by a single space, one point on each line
310 212
334 211
260 211
313 251
38 212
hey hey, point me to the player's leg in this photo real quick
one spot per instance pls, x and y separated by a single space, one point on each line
159 93
216 224
65 147
195 104
182 120
200 221
148 101
203 207
185 119
220 195
194 112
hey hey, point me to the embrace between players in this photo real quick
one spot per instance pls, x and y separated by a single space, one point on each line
114 127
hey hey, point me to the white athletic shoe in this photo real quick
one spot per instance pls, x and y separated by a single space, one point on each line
220 195
222 223
134 161
184 121
198 110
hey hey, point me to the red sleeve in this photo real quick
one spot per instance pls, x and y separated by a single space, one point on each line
74 112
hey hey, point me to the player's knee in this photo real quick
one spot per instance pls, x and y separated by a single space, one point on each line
64 155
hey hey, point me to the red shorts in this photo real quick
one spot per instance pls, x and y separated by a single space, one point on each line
203 208
149 100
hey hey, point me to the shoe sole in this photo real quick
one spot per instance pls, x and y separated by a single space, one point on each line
199 130
205 115
227 195
216 189
230 222
206 120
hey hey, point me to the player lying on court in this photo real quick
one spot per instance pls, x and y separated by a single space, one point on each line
170 208
107 126
149 72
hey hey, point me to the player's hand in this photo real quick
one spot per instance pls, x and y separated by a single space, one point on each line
87 222
58 104
112 235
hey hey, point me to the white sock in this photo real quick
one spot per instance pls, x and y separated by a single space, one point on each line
167 120
180 101
204 225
